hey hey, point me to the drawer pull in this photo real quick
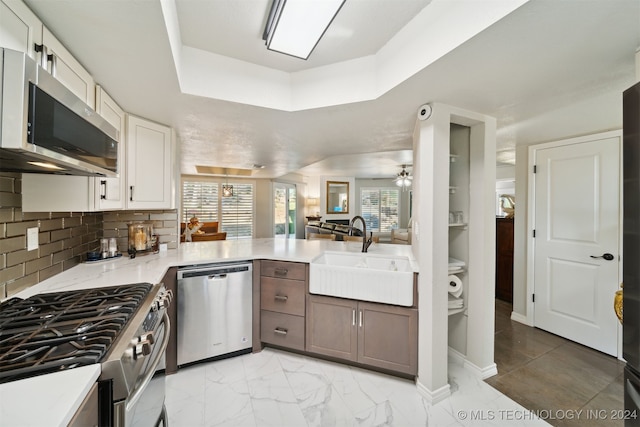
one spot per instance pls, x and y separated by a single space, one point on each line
283 298
281 331
281 271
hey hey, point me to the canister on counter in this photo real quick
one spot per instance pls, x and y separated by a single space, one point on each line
140 234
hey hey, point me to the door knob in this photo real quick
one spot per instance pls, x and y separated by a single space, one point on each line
606 256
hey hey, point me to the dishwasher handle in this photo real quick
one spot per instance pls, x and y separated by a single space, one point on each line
217 270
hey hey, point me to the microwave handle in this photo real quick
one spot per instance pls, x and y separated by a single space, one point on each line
139 389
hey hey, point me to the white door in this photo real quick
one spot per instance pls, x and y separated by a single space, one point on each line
577 228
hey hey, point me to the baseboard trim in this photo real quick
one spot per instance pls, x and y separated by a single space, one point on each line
436 396
482 373
520 318
457 356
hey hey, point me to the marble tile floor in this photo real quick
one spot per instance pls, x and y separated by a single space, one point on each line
278 388
544 372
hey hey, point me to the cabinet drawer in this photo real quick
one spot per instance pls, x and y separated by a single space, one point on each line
283 270
280 329
282 295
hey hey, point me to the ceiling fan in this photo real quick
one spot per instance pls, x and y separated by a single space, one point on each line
403 179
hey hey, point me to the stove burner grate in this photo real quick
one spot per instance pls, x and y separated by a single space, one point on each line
51 332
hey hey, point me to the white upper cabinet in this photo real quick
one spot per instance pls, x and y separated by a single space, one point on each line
110 192
65 68
149 165
20 29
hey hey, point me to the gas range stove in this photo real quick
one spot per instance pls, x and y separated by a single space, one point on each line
48 333
125 328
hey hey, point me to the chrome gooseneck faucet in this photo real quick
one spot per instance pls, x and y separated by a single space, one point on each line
365 243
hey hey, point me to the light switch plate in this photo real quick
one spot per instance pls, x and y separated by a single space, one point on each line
32 238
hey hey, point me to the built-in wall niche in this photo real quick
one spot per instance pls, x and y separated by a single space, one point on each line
459 208
337 197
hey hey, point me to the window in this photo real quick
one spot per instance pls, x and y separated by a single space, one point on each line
380 208
204 200
237 212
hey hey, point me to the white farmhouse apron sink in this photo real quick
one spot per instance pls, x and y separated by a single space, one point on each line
361 276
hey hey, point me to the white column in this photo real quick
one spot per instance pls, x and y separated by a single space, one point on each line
482 249
430 244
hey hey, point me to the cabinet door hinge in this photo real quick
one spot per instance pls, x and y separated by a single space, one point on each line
534 233
535 169
533 297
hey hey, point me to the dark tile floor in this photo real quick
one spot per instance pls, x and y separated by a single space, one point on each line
568 384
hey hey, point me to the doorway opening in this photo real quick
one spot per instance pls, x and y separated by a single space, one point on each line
284 210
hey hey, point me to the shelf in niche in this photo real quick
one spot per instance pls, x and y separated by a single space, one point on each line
453 311
458 225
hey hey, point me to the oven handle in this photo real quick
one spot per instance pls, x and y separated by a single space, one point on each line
137 391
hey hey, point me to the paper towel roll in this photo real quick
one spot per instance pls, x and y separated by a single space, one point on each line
455 286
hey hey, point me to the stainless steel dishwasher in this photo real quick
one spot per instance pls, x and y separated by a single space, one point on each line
214 310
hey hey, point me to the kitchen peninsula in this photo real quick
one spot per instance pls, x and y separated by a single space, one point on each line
149 268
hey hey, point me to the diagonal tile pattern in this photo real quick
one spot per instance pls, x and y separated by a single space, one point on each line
544 372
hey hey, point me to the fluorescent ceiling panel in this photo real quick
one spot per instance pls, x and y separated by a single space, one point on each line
300 25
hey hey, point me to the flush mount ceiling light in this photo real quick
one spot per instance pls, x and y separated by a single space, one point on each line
294 27
403 179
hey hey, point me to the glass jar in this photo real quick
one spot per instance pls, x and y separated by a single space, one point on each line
140 236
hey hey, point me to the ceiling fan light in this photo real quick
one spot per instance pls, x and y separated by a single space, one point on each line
294 27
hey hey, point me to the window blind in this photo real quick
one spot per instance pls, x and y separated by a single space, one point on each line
200 199
234 214
237 212
380 208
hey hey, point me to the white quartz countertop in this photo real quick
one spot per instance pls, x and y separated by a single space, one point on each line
29 402
152 267
46 400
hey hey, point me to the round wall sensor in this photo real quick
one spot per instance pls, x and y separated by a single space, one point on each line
424 112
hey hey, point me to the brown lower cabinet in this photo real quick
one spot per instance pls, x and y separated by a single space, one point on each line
380 335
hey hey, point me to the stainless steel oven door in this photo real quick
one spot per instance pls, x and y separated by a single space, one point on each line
144 407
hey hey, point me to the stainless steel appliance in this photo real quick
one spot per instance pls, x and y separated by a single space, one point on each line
124 328
631 250
44 122
214 310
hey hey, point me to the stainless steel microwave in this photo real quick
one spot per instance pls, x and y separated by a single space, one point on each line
45 128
